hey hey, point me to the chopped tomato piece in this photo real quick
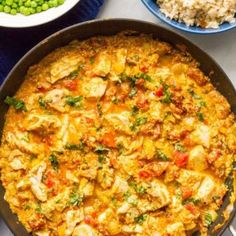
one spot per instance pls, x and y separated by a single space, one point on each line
159 92
108 139
50 184
144 69
181 159
191 208
186 193
145 174
89 120
71 84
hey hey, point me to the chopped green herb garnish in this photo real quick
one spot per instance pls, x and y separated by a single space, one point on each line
162 156
115 100
193 94
74 101
75 199
99 107
138 189
200 116
38 208
139 121
134 110
92 60
16 103
74 147
202 104
179 147
42 103
133 92
54 161
101 159
166 95
188 200
208 219
101 149
75 73
140 219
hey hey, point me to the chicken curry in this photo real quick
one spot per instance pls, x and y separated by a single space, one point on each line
119 135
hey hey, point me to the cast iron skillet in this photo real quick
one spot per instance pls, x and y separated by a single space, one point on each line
109 27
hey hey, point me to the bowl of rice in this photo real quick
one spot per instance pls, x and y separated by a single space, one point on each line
195 16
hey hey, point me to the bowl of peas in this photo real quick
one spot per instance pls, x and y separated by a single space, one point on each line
28 13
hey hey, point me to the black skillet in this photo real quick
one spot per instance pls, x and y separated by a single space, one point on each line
110 27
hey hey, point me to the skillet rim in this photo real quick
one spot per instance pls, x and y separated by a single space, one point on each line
126 24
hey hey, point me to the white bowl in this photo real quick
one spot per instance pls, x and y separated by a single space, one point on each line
20 21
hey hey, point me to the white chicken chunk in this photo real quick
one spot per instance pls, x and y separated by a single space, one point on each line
197 159
86 187
189 178
16 164
206 190
119 121
37 187
21 141
159 190
85 230
56 99
73 217
94 87
201 135
102 64
118 63
45 123
63 67
176 229
120 185
132 229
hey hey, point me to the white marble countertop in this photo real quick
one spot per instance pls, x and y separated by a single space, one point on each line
222 47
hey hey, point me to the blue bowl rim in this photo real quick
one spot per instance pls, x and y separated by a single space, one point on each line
185 28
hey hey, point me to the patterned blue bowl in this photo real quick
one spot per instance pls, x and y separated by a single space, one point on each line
154 8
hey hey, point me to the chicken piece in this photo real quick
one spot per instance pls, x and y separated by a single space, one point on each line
155 111
62 135
119 121
16 159
94 88
88 170
73 217
120 185
105 176
191 179
110 222
37 187
86 187
176 229
206 190
56 99
63 67
201 135
197 159
149 149
85 230
42 123
222 107
102 64
118 60
128 163
21 141
159 192
16 164
129 229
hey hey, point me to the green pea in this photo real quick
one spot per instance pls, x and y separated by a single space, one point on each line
7 9
45 7
9 2
13 12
